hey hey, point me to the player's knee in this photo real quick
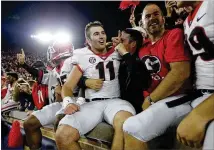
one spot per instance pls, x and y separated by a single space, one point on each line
120 118
131 126
31 124
66 135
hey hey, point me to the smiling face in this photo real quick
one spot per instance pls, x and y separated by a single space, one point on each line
153 20
97 38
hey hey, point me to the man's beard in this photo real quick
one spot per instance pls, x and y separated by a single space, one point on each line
155 31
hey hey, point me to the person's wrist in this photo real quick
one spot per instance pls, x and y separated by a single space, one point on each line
150 100
201 116
124 52
67 100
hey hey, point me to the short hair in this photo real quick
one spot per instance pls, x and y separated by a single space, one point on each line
135 36
153 4
91 24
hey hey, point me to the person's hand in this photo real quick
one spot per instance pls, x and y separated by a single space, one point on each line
21 57
95 84
146 104
116 40
71 109
191 130
121 49
170 6
132 20
29 112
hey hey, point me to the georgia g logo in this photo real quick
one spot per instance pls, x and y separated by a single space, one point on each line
153 65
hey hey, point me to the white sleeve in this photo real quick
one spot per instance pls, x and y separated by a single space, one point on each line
45 78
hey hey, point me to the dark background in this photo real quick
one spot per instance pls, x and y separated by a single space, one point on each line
21 19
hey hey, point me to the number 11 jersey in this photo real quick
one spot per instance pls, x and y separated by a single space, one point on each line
99 66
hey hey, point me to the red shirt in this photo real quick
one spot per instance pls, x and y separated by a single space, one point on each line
158 56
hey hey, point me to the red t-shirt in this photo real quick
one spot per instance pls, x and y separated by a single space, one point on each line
158 56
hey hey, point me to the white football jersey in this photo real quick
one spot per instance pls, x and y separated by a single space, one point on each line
53 78
95 66
199 33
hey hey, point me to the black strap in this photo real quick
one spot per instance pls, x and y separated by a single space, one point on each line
189 97
98 99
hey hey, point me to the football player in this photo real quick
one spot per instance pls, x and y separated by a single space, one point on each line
60 56
199 32
93 61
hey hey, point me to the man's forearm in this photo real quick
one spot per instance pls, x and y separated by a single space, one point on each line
67 95
171 83
206 109
66 92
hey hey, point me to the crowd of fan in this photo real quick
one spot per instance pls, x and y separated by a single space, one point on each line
9 63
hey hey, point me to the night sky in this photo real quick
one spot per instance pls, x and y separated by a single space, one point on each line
21 19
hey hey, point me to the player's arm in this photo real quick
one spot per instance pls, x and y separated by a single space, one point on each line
192 129
67 91
179 72
206 109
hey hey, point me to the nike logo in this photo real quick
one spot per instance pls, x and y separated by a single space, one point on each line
199 18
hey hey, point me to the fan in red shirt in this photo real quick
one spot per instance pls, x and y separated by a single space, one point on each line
169 66
158 56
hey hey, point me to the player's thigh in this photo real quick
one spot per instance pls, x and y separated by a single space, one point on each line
155 120
47 114
113 106
84 120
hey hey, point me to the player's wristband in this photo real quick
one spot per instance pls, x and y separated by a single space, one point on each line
67 100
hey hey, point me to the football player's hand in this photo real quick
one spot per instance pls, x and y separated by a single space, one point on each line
191 130
146 104
121 49
21 57
116 40
95 84
71 109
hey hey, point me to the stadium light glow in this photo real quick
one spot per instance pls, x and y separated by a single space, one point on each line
46 37
62 37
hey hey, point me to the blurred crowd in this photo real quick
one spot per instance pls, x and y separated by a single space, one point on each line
9 63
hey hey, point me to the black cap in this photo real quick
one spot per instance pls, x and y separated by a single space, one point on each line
13 74
38 64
